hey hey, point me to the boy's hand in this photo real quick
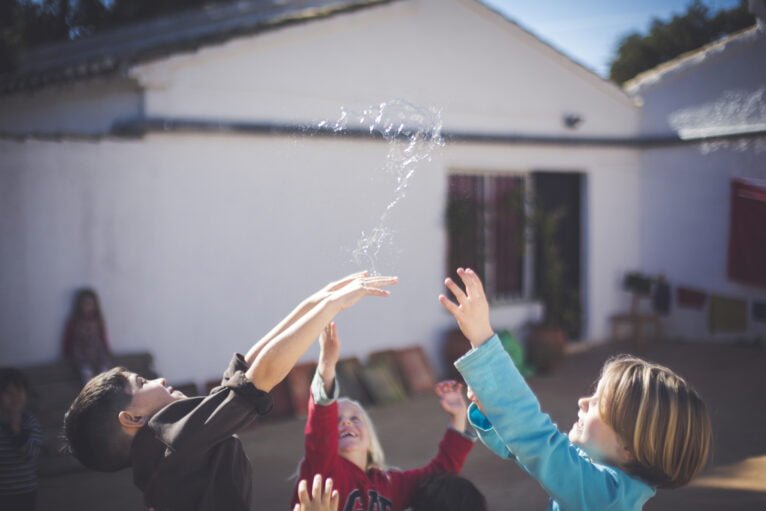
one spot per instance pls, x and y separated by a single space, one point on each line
334 286
319 501
303 308
353 291
329 352
472 310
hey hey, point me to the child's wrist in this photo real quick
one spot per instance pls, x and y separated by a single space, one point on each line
458 423
326 370
481 336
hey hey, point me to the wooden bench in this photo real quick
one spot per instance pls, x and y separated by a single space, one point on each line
636 322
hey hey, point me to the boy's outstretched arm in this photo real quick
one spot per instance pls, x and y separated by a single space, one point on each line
472 310
301 309
275 359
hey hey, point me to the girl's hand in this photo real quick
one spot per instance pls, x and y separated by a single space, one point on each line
319 500
450 394
329 345
472 310
329 352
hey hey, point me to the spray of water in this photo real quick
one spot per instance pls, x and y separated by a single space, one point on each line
412 134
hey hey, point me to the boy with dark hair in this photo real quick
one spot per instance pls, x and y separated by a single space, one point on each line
183 450
94 438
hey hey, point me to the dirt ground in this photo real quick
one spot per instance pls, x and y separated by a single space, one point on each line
732 380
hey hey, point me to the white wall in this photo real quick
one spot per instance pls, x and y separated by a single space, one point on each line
725 86
481 70
198 244
686 189
685 225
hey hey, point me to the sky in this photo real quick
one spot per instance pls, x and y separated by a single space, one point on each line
589 30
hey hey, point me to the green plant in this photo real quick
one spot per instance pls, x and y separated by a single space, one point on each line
562 304
546 224
541 226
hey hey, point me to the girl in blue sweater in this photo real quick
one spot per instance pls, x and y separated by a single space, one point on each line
644 427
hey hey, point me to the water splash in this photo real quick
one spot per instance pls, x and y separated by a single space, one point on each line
412 134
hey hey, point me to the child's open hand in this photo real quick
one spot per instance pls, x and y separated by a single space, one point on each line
472 310
450 394
353 291
335 285
319 500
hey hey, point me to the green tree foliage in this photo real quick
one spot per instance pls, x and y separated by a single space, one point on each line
668 39
24 23
28 23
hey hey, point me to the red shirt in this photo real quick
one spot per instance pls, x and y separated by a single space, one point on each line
375 490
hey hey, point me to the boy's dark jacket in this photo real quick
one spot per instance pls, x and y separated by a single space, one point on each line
186 457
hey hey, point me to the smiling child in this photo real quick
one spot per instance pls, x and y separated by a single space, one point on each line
341 442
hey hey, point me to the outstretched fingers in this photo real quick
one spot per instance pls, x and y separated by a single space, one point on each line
345 280
321 499
472 282
378 281
316 488
303 492
448 304
458 293
447 386
361 287
330 496
373 285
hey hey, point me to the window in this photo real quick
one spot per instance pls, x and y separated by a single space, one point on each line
747 237
489 228
485 228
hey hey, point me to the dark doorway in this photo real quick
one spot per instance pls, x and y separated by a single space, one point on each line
562 191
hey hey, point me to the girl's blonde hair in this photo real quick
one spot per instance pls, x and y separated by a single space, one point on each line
662 420
375 456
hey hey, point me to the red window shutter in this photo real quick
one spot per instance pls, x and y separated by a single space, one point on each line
747 234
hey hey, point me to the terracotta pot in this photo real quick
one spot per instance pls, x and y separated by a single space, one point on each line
545 347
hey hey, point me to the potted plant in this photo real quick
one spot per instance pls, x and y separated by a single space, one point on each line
547 340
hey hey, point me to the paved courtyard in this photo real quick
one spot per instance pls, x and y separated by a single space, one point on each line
732 379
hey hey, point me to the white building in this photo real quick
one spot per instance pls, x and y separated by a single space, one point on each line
189 170
716 95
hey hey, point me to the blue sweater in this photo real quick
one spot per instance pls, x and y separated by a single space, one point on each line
513 426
